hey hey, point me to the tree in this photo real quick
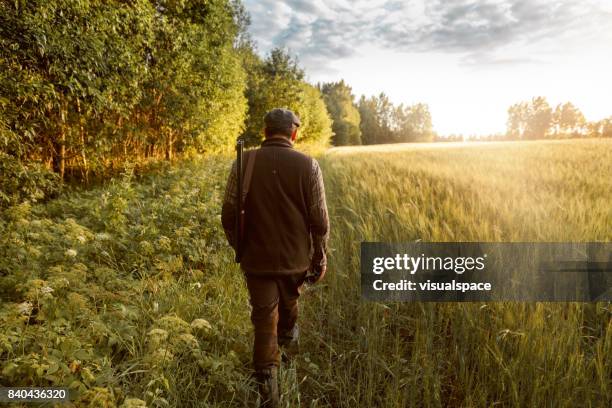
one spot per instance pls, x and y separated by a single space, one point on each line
539 120
568 120
194 94
276 82
90 84
529 120
382 122
518 115
386 121
369 125
64 68
345 116
415 124
603 127
316 123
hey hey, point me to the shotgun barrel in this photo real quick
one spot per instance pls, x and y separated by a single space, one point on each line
239 203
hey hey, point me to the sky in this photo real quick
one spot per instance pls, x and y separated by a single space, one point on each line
468 60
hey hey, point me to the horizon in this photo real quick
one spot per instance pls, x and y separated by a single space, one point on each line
468 61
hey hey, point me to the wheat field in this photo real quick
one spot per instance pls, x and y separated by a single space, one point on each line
474 354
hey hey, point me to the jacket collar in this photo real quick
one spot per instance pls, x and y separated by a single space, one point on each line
277 141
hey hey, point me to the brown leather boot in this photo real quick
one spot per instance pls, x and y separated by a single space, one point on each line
267 382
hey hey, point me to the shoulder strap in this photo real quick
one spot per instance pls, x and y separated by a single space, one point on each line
248 173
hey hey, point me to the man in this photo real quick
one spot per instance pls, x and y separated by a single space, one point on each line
284 240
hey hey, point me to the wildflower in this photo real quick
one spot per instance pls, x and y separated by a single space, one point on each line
103 236
133 403
196 285
46 289
161 355
146 247
201 327
24 308
157 335
201 324
81 239
187 341
174 324
71 253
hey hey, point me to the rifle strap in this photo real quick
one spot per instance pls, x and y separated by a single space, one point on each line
248 173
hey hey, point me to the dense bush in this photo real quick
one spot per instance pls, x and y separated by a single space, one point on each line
25 182
126 291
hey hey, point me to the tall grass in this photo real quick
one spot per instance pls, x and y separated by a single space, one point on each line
128 295
473 354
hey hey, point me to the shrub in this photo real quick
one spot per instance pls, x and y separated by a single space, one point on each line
21 182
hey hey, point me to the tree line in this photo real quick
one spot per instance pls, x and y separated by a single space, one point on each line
87 86
374 120
536 119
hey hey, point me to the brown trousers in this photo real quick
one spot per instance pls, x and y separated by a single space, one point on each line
274 302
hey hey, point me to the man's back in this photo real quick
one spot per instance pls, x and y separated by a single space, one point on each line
276 235
285 222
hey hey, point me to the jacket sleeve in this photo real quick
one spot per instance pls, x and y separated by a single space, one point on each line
228 210
318 219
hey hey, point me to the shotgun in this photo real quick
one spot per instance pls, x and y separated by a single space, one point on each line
239 203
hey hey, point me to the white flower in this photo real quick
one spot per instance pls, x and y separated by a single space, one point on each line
71 253
81 239
156 337
103 236
24 308
158 333
197 285
46 289
201 325
133 403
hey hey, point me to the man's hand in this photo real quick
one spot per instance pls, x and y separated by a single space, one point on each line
315 275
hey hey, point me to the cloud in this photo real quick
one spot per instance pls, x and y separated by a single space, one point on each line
319 31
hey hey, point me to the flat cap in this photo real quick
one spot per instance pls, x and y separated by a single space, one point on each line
279 118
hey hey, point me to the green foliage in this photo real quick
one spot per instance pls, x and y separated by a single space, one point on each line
377 115
382 122
413 123
371 129
194 93
277 82
67 68
87 85
344 113
316 125
126 292
25 182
